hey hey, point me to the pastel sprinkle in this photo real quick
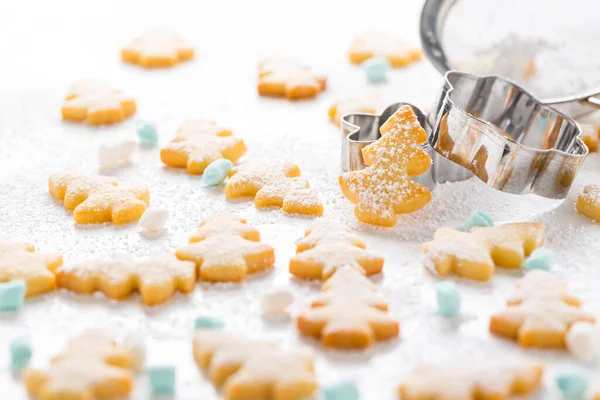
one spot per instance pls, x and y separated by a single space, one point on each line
162 379
216 172
345 390
478 218
146 132
20 353
573 385
540 258
376 69
448 299
12 295
204 322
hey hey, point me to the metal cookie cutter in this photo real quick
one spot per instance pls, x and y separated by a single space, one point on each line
488 127
493 129
361 129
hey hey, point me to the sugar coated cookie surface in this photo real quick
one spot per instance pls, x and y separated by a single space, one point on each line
95 199
92 367
225 249
384 188
252 369
540 313
287 78
381 44
326 247
96 103
493 381
349 314
278 185
156 278
198 143
20 262
588 202
474 254
157 48
362 103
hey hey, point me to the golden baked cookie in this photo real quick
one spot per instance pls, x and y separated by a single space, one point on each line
287 78
380 44
225 249
253 369
540 313
156 278
157 48
475 254
367 103
95 199
588 202
384 188
96 103
198 143
92 367
278 185
20 261
493 381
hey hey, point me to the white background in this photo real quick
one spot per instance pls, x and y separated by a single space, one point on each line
45 46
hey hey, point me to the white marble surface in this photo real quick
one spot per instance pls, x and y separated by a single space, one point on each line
47 45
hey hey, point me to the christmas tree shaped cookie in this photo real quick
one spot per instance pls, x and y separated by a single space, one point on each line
157 48
384 188
287 78
225 249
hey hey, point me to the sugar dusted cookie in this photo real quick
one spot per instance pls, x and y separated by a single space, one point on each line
92 367
589 135
95 199
20 261
588 202
252 369
96 103
198 143
157 48
540 313
326 247
287 78
493 381
156 278
349 314
225 249
474 254
278 185
384 188
362 103
380 44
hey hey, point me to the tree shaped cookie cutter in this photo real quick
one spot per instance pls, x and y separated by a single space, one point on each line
486 127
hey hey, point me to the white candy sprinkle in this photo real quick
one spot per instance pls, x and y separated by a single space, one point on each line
137 348
114 155
154 219
274 303
583 341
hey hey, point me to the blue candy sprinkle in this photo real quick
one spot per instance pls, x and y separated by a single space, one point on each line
147 134
448 299
573 385
376 69
345 390
203 322
20 353
541 258
162 380
216 172
12 295
478 218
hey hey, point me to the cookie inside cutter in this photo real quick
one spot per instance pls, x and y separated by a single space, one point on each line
361 129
